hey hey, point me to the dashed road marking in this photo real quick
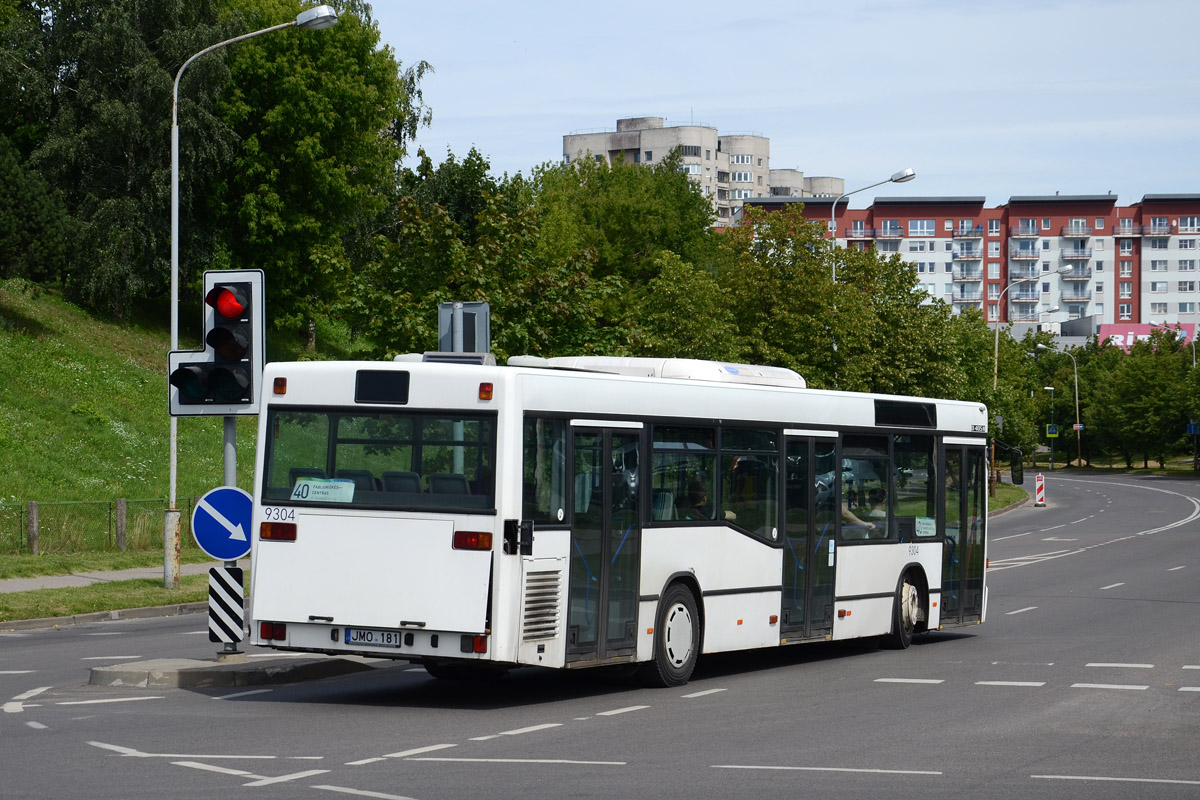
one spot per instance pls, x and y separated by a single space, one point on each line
702 694
1111 586
418 750
523 761
243 694
1021 610
831 769
1117 780
909 680
1175 569
40 727
1122 686
295 776
531 729
616 711
1119 666
361 792
106 700
1010 683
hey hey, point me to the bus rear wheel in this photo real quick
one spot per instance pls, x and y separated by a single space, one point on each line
906 613
676 640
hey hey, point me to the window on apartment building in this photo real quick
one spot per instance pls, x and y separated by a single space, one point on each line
950 248
708 155
993 227
690 169
1126 269
993 270
1158 308
1126 289
1077 224
994 291
1099 245
1187 265
1125 311
994 249
1187 308
993 312
1099 223
742 177
949 267
649 155
599 159
920 227
1189 224
1099 309
1045 244
1045 266
760 162
1158 287
760 180
1045 287
1126 247
1045 223
691 150
1187 244
1160 225
887 247
1099 287
1158 265
1186 286
916 247
1159 243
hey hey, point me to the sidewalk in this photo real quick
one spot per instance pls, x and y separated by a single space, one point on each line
89 578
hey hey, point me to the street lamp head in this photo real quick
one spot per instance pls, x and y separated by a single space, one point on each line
1049 389
903 176
317 18
1041 346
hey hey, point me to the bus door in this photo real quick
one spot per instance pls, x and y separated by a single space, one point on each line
963 557
605 543
808 544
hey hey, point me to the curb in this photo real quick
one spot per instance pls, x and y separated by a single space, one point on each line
181 673
104 616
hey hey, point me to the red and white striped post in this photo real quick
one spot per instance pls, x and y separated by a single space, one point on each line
1039 491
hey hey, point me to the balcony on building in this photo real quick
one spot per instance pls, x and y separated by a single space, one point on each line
1125 227
1077 274
860 233
967 274
1027 297
966 254
1024 231
1158 229
1076 230
967 232
890 232
722 177
1019 271
1024 253
1080 296
1076 253
968 297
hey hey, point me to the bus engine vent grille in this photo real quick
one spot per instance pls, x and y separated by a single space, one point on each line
541 605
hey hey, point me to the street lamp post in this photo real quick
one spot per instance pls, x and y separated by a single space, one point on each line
312 19
1078 426
1050 389
903 176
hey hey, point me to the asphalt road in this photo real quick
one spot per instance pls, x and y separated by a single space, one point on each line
1083 683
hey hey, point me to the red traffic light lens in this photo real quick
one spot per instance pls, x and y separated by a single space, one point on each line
228 302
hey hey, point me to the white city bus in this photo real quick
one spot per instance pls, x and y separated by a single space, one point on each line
597 511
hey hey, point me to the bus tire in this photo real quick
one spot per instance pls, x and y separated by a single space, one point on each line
676 640
906 610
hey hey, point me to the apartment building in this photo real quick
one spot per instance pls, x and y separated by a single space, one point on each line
729 168
1071 262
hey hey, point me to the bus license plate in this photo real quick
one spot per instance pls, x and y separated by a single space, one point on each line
373 638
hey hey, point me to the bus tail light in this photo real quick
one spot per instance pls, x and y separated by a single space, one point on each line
485 391
473 644
272 630
279 386
277 531
472 540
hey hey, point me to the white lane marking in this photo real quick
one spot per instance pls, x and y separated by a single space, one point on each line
1122 666
1127 686
1174 569
243 694
39 726
1022 663
1076 522
1059 539
32 693
544 726
241 773
15 671
13 707
1189 688
107 633
523 761
364 761
908 680
129 751
484 738
1111 586
1051 528
295 776
419 750
833 769
192 633
704 693
1116 780
362 793
110 658
1021 610
1013 536
1010 683
1191 666
106 700
616 711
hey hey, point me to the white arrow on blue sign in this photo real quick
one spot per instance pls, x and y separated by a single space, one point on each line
221 521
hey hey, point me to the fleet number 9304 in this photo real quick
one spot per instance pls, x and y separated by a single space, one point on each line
279 514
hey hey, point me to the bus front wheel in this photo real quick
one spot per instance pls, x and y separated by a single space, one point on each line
676 640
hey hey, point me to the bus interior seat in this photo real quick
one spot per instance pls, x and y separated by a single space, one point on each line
448 483
397 481
364 479
296 473
664 504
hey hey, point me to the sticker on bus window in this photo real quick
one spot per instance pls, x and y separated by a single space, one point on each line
926 526
323 490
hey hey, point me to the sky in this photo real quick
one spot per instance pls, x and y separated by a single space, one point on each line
990 98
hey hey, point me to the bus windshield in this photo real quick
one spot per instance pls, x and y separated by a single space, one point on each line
379 459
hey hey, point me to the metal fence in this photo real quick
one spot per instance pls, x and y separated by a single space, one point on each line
88 525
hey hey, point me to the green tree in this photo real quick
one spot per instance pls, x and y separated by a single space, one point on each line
33 222
684 313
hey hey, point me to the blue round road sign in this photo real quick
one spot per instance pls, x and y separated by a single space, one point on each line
221 523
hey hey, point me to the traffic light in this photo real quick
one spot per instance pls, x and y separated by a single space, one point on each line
224 378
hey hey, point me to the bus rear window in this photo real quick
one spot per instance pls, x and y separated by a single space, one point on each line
380 459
